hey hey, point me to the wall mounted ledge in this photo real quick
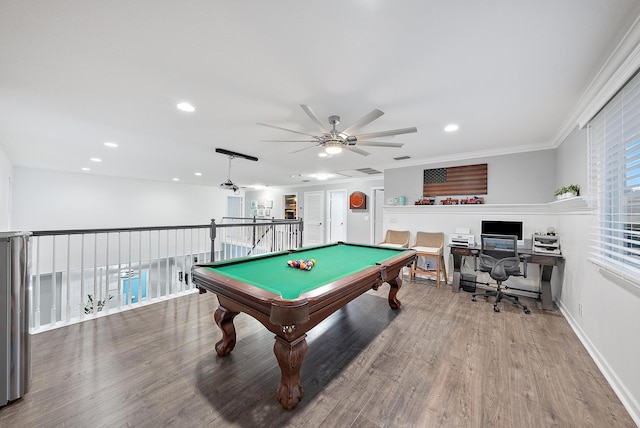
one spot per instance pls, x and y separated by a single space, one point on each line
573 205
577 204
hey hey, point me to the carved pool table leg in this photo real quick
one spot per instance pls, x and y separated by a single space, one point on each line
290 356
224 319
394 287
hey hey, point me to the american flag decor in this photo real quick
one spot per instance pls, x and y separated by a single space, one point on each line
455 180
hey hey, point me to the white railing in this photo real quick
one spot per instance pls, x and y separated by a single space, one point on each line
240 236
81 274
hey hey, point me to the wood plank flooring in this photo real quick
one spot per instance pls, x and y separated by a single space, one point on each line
440 361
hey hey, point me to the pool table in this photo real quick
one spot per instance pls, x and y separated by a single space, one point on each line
289 301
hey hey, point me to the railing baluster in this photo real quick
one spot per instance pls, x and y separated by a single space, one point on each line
129 286
148 285
81 302
106 262
167 283
36 297
120 302
176 258
158 293
67 312
54 285
141 286
97 294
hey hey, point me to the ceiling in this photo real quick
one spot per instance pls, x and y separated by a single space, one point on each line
76 74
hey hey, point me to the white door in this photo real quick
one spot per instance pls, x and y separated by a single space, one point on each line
313 217
378 203
337 215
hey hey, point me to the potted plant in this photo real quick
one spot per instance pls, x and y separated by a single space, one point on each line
567 191
88 308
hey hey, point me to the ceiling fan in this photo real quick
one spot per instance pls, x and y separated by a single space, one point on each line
334 141
230 185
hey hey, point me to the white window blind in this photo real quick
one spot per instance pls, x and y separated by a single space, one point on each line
614 183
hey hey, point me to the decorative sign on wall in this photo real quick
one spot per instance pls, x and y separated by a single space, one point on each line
358 201
455 180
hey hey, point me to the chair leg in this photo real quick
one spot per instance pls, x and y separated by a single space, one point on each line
437 272
444 268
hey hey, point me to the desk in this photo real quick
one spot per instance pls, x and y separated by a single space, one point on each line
289 302
545 261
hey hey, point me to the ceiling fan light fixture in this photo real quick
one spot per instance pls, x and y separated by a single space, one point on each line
333 149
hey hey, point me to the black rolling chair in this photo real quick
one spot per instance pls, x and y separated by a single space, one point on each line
499 256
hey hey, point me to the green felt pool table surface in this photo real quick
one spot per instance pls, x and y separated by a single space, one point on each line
271 272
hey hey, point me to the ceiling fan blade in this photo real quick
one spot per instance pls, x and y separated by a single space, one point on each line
357 150
285 129
363 121
314 117
306 148
289 141
386 133
378 144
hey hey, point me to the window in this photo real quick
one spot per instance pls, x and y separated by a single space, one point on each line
614 181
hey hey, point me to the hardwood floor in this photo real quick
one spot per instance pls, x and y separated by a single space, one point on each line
440 361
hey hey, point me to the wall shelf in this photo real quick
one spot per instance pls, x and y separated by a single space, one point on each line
569 205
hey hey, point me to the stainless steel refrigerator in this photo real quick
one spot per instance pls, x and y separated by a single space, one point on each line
15 341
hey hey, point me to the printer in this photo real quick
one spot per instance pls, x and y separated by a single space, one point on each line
462 238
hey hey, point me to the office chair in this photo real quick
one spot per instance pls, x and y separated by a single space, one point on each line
396 238
499 256
429 245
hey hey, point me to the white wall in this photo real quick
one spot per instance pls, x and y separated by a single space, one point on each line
358 221
44 200
6 178
522 178
571 161
605 313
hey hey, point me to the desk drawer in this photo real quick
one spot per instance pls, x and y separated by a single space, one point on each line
543 260
460 251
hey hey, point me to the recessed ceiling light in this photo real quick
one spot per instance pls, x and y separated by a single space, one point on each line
176 179
186 107
323 154
96 160
197 174
86 169
110 144
451 127
322 176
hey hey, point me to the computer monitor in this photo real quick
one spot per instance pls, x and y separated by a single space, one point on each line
499 227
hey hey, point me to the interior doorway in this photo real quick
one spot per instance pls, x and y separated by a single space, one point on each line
337 215
376 215
290 206
313 215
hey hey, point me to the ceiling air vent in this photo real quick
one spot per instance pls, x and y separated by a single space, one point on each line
369 171
402 158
